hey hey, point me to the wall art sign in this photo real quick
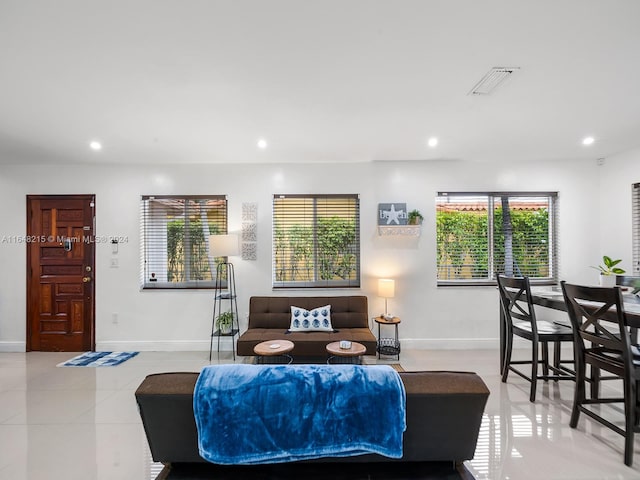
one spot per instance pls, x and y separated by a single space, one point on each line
392 214
249 247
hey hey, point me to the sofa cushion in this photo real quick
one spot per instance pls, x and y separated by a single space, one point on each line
316 320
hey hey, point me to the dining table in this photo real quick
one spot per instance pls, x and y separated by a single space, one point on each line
551 297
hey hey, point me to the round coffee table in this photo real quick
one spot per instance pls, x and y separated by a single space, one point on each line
345 355
268 351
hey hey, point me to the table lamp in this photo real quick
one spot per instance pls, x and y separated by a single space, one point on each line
224 245
386 289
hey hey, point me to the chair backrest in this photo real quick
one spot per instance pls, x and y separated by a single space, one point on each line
515 298
599 322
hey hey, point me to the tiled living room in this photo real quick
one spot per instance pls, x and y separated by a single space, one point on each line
137 136
80 423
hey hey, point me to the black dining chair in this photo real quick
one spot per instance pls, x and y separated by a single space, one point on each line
603 341
520 318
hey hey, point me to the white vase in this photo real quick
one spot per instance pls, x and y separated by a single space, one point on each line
607 280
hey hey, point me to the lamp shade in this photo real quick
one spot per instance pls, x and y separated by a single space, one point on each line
386 287
223 245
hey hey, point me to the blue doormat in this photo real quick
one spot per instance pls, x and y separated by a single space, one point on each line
98 359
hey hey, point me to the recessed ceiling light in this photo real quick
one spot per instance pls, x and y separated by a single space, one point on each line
95 145
432 142
262 143
588 140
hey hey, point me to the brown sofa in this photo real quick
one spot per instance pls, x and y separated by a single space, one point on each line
270 318
443 415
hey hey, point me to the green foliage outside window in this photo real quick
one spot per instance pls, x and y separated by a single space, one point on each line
294 253
192 246
530 243
335 237
462 246
333 246
463 243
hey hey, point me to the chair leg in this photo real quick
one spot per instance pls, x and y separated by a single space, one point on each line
507 357
545 360
630 396
534 371
578 394
557 346
595 382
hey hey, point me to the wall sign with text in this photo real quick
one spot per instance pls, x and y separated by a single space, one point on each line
392 214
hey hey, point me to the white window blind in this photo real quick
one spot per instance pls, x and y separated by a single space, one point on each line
481 234
316 241
174 243
635 212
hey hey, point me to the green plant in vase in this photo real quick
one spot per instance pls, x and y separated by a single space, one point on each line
415 217
224 322
608 271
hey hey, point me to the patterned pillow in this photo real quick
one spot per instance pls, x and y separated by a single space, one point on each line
316 320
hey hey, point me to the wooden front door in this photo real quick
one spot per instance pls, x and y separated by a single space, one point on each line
60 273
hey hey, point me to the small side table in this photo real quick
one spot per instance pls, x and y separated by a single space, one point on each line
388 346
345 355
268 351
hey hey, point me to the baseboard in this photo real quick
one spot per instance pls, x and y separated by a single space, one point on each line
450 343
464 343
160 346
136 346
13 347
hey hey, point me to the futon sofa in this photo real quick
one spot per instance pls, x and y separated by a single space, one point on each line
270 319
443 416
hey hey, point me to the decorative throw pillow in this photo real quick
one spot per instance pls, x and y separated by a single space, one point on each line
316 320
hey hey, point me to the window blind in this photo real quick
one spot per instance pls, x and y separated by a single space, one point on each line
174 243
635 214
480 234
316 241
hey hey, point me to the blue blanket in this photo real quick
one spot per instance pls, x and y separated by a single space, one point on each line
247 414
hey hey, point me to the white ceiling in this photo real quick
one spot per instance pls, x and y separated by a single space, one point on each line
199 81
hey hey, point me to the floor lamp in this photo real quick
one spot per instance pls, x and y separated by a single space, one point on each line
224 246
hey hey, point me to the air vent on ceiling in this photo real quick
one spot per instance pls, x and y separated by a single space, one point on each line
492 79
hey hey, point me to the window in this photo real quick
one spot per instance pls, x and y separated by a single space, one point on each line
316 241
635 192
482 234
175 240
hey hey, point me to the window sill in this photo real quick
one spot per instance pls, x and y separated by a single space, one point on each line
178 286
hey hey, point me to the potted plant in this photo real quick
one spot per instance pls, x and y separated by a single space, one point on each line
415 217
608 271
224 322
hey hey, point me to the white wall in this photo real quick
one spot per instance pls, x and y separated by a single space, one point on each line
166 320
615 178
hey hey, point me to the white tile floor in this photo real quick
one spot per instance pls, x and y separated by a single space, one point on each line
82 423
